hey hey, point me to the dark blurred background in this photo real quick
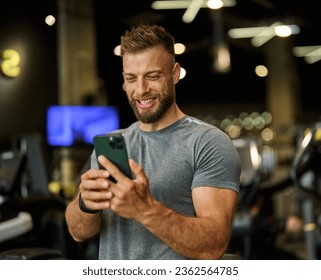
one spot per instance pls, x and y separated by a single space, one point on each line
93 30
68 59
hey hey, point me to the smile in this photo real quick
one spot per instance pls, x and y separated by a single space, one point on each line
147 103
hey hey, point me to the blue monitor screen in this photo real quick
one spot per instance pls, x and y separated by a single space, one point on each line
74 125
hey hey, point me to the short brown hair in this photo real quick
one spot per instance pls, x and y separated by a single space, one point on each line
146 36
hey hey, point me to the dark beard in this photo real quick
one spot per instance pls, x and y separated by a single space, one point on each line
150 116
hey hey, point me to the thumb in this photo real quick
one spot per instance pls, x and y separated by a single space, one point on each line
138 171
140 177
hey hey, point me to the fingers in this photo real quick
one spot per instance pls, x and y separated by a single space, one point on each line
95 191
141 179
123 183
97 200
96 194
92 174
128 195
112 169
138 172
94 180
94 186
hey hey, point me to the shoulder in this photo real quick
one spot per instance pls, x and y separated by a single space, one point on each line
210 138
201 129
198 125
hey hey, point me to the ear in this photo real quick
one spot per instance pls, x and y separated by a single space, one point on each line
176 72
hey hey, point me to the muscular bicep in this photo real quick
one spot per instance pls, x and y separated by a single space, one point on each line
216 203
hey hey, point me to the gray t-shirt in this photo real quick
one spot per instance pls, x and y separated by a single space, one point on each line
185 155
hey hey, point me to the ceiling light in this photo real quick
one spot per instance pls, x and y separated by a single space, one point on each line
286 30
261 71
179 48
192 10
50 20
215 4
192 6
260 35
117 50
311 54
182 73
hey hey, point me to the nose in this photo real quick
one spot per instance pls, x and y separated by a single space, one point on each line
142 86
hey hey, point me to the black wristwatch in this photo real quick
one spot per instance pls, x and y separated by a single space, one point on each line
83 207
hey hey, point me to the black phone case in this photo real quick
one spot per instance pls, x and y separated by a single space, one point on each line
113 146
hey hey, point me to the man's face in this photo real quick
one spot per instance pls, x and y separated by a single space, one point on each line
149 82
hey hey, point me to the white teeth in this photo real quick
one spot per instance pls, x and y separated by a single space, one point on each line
147 101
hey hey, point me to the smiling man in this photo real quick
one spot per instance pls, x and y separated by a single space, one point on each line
182 198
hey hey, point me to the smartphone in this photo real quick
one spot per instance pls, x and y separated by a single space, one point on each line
112 146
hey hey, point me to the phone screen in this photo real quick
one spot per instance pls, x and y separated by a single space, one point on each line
113 147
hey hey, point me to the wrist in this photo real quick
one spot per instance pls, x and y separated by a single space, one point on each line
156 212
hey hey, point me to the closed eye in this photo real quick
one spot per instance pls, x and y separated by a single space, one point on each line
153 77
130 78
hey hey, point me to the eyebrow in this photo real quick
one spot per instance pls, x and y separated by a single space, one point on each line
147 73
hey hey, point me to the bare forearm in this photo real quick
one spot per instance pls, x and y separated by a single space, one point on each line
81 225
193 237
